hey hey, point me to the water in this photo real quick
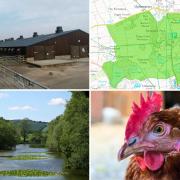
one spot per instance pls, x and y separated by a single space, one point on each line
53 163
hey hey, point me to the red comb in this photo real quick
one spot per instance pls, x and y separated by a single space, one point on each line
140 113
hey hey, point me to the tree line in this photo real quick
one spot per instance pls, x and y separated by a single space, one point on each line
20 132
68 134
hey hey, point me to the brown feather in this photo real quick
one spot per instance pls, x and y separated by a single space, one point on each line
169 116
169 171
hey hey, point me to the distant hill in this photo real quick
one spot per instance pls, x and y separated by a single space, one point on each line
33 125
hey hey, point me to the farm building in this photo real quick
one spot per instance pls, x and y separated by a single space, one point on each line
42 47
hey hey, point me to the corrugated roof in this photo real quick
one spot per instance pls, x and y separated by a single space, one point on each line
33 40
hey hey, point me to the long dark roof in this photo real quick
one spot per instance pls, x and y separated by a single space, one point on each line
33 40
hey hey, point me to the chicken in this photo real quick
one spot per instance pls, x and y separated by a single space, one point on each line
152 136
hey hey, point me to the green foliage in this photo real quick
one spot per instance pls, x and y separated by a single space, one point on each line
24 129
52 139
31 132
8 135
37 138
28 172
69 134
34 126
12 133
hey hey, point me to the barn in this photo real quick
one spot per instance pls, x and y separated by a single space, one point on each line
42 47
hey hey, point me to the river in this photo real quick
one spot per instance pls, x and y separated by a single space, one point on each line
52 163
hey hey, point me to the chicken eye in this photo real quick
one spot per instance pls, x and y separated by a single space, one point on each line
159 129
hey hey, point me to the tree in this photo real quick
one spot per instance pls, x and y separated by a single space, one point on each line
8 135
24 127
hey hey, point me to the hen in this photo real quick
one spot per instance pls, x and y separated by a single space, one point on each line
153 136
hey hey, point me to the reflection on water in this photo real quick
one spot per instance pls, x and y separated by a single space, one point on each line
22 149
52 163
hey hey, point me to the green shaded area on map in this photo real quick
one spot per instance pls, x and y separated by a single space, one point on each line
145 48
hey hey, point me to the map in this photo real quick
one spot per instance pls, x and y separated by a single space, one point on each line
135 44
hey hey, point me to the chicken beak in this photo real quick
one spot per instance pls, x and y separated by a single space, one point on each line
124 152
127 150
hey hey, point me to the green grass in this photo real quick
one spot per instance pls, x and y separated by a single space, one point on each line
34 153
37 146
27 157
27 172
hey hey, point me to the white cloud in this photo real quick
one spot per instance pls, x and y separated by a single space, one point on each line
57 102
22 108
3 95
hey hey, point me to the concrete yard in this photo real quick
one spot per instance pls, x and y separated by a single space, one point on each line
51 62
66 76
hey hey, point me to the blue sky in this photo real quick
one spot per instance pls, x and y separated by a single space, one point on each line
35 105
23 17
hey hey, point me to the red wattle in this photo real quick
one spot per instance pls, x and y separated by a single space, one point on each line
153 160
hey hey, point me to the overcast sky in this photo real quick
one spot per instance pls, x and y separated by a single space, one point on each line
23 17
35 105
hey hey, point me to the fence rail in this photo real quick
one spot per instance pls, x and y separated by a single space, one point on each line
11 78
16 58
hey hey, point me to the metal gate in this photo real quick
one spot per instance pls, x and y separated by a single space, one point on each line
10 79
79 51
44 52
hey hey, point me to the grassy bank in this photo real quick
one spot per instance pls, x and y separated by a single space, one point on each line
27 157
37 146
28 172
